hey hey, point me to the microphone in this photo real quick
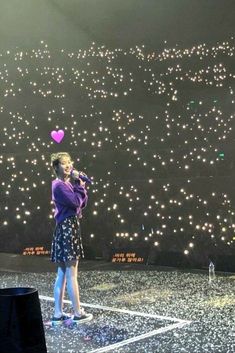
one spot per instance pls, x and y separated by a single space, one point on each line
77 175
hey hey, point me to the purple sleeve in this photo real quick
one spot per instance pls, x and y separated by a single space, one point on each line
85 202
68 197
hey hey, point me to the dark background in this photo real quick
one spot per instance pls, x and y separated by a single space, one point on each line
75 24
49 41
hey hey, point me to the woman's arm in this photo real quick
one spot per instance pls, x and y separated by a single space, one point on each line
72 198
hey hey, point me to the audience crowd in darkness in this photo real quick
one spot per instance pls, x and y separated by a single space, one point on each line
152 128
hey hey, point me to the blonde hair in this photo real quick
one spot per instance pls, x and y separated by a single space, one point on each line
56 159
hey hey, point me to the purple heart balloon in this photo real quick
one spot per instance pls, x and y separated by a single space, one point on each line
57 135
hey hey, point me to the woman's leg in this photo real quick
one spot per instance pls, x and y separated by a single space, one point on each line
72 285
59 289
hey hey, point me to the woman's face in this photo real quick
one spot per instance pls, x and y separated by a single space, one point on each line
64 167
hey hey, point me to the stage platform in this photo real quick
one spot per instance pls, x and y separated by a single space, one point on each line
136 308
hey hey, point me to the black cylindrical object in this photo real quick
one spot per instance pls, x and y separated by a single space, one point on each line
21 325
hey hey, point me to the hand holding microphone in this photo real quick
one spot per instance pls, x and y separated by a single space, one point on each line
80 176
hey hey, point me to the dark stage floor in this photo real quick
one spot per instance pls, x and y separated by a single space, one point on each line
135 308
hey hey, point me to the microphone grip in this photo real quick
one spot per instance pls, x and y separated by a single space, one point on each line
85 178
76 175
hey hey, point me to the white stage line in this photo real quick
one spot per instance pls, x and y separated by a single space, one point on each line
179 323
140 337
123 311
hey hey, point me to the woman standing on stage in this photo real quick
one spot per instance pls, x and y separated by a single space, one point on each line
70 197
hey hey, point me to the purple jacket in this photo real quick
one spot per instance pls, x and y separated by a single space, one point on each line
69 199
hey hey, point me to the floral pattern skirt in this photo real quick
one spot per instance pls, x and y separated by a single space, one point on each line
67 241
